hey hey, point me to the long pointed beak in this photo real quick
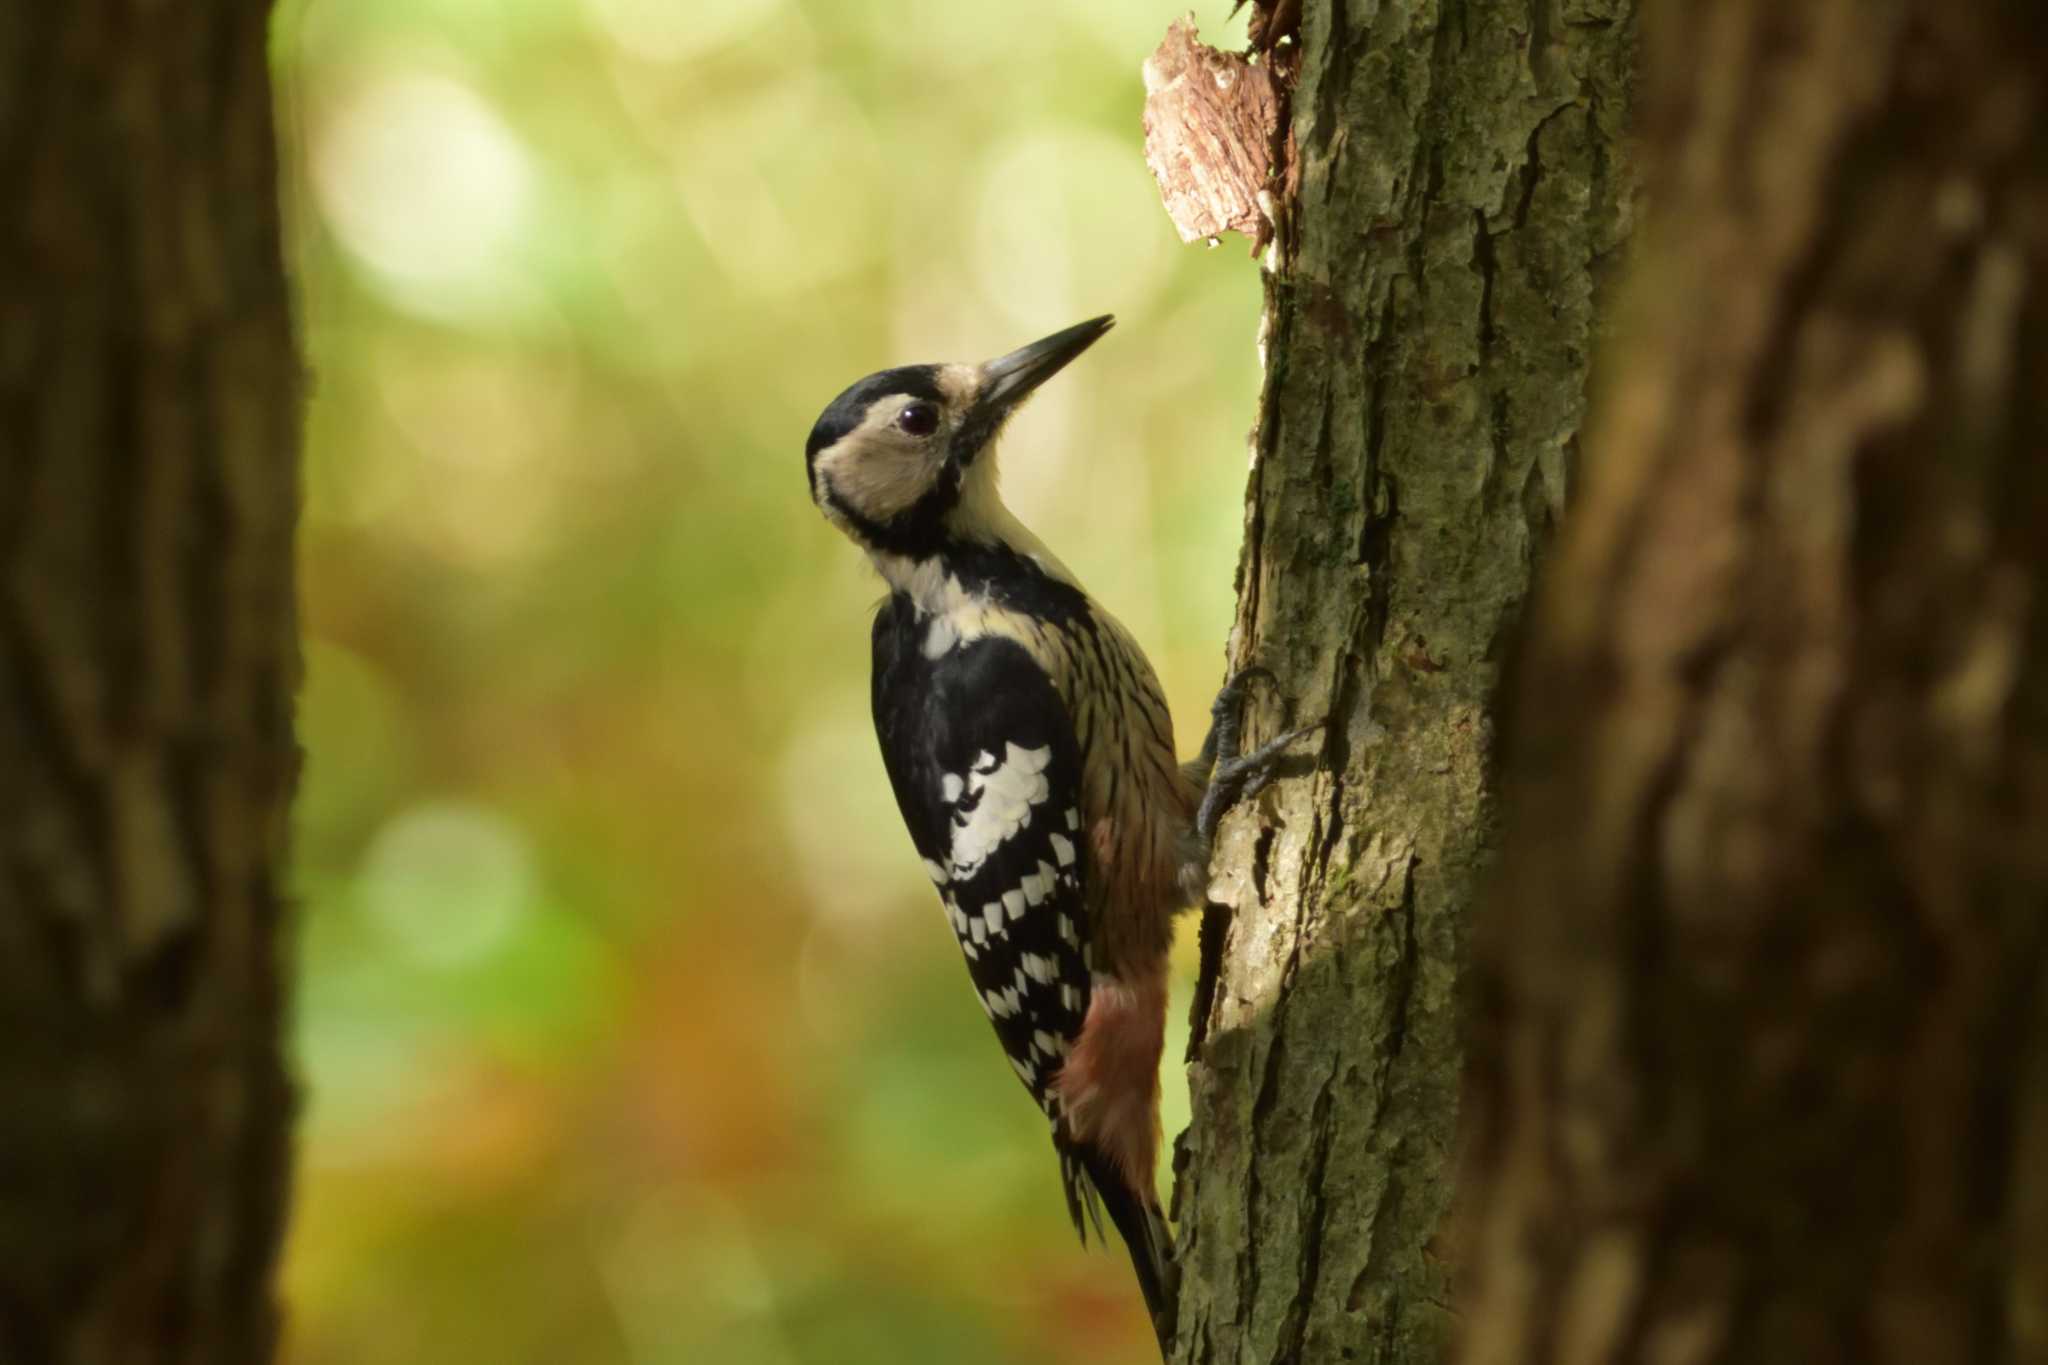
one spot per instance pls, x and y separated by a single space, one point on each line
1008 379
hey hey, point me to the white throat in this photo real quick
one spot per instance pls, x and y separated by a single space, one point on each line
979 518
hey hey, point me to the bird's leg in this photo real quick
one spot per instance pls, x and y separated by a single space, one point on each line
1224 715
1242 778
1226 775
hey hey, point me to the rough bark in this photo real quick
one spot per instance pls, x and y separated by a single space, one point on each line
1432 301
1210 121
1765 1076
148 421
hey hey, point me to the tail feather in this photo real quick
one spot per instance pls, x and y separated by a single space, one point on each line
1092 1182
1082 1205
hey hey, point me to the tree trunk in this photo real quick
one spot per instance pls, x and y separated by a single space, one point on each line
1430 309
148 425
1765 1071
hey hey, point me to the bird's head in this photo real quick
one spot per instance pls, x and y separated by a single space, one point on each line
896 460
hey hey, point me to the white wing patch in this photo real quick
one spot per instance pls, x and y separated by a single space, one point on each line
993 803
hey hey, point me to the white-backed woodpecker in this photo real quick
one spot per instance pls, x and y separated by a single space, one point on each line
1032 757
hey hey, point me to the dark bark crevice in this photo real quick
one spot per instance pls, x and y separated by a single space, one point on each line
1761 981
149 415
1429 314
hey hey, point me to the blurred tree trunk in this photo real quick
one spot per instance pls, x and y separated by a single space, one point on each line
1765 1070
148 421
1431 307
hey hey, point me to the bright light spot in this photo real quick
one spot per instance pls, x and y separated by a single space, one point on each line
824 995
494 428
477 415
782 188
447 882
946 36
853 857
1125 30
1069 226
356 730
674 30
688 1280
426 185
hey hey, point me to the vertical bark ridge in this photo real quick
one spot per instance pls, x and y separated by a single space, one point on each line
148 492
1432 302
1765 974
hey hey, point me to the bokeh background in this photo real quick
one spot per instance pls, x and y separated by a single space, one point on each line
629 1028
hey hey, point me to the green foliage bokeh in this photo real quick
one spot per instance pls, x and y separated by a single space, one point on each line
629 1028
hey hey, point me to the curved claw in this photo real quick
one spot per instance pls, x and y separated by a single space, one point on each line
1233 691
1240 778
1220 745
1265 760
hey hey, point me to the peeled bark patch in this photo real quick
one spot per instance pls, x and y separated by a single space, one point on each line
1211 119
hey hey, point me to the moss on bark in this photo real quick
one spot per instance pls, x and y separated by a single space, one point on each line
1433 299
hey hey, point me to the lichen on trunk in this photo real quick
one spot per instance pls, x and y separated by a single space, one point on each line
1432 300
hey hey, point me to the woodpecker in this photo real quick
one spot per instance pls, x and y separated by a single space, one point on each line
1032 757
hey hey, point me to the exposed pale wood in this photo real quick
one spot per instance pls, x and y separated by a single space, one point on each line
1212 120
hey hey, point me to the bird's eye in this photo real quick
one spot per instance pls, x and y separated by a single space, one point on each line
918 419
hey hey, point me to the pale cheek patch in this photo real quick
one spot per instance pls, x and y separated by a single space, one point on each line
878 470
878 478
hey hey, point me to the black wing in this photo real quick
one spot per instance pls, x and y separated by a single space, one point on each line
987 774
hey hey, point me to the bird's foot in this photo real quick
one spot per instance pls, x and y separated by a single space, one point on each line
1231 776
